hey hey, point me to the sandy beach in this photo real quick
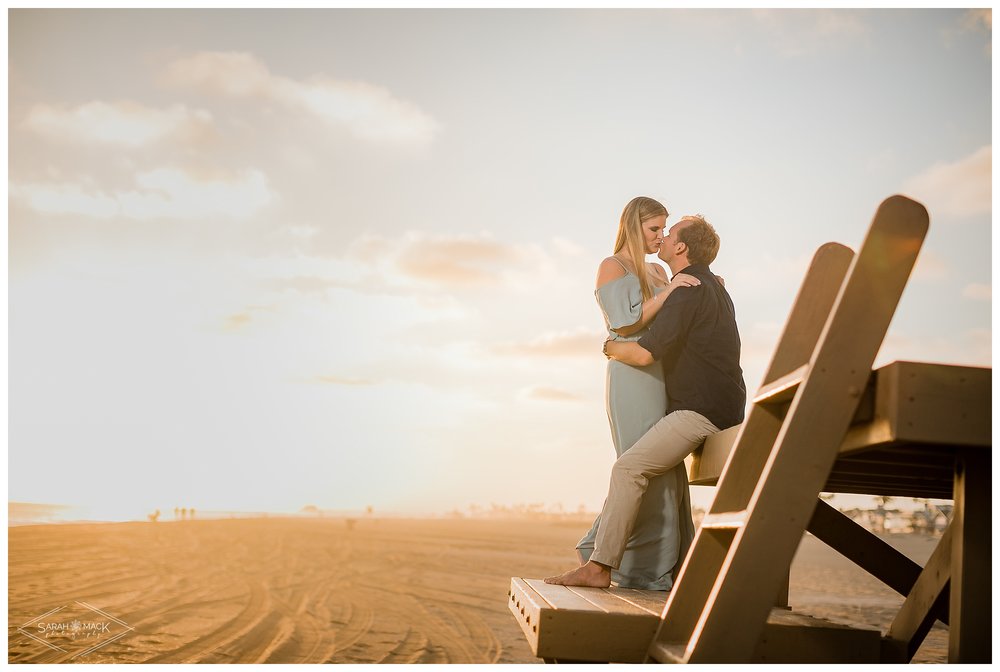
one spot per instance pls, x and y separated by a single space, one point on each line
288 590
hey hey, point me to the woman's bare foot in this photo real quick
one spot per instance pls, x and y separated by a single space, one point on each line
591 574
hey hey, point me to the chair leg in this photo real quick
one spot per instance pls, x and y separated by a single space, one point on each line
969 639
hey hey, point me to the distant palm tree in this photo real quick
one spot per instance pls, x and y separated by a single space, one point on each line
880 503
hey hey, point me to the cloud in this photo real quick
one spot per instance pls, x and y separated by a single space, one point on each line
962 188
368 111
798 32
980 20
455 259
307 284
339 380
303 231
978 292
977 19
567 247
123 123
243 318
544 393
972 24
579 343
238 320
445 260
163 193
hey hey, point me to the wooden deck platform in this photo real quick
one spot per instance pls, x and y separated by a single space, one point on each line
911 419
617 624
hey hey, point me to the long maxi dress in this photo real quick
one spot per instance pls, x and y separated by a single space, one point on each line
636 400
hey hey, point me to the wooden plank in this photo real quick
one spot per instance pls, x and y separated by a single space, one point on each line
594 636
710 458
697 574
563 635
746 460
561 597
783 389
522 592
861 437
875 481
803 328
923 604
791 637
607 602
527 607
905 454
668 652
806 448
724 520
781 599
936 491
810 309
971 613
587 633
652 601
938 403
879 474
884 468
863 548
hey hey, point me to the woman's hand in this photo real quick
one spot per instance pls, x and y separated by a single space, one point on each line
722 280
679 280
684 280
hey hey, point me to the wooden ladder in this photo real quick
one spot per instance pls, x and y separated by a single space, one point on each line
783 455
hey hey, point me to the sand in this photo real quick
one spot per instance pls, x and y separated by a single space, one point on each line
286 590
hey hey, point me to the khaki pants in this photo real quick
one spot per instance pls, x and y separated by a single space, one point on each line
660 449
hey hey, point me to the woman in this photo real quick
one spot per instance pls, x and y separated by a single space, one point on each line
630 293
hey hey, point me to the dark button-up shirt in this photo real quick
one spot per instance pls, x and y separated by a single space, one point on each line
696 340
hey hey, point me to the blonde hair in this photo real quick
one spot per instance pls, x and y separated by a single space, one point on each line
630 238
701 239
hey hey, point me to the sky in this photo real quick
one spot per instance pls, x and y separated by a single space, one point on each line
264 259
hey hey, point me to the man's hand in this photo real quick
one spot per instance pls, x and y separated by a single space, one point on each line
628 352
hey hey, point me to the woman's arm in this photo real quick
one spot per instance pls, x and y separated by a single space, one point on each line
652 306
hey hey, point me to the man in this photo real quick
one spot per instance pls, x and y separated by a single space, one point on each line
695 338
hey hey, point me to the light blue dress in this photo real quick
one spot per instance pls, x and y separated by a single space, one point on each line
636 400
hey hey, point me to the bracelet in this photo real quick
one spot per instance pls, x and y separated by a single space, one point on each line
605 348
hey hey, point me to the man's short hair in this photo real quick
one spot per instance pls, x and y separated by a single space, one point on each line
701 239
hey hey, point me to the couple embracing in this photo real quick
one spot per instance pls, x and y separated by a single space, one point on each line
674 378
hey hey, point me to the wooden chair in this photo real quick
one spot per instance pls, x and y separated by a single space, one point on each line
821 421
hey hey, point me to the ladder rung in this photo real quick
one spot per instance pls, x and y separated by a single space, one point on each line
728 520
782 389
668 653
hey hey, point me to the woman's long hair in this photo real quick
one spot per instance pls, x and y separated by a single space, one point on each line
630 237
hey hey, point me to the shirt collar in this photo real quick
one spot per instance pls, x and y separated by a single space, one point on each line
696 269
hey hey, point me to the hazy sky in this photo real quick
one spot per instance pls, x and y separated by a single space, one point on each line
263 259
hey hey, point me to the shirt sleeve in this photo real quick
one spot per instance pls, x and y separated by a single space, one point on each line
620 301
670 325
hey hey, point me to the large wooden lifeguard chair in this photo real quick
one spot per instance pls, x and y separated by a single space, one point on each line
822 421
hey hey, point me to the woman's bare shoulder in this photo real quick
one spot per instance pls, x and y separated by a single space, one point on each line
609 270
